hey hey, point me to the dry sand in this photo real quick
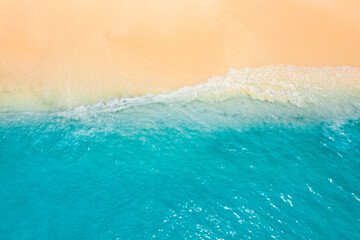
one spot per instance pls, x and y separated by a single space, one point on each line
86 50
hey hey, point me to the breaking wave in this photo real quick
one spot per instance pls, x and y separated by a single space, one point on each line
302 87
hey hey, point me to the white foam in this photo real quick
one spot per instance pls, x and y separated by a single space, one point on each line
298 86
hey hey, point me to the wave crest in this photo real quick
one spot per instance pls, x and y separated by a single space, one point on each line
299 86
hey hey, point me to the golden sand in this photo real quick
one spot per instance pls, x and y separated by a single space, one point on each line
87 50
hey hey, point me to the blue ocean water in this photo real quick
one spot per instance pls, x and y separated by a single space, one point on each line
235 168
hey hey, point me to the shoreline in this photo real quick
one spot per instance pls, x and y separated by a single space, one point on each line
295 85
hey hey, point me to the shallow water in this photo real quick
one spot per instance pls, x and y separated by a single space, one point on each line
234 168
272 152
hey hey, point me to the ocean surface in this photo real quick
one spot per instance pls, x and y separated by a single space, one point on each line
228 159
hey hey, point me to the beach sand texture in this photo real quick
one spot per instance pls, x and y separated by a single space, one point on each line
83 51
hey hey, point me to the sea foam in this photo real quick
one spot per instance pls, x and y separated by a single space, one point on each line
298 86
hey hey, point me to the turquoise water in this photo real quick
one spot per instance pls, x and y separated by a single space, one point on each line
139 168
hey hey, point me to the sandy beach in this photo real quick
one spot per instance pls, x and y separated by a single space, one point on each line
82 51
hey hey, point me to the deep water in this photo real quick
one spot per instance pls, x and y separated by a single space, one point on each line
235 168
